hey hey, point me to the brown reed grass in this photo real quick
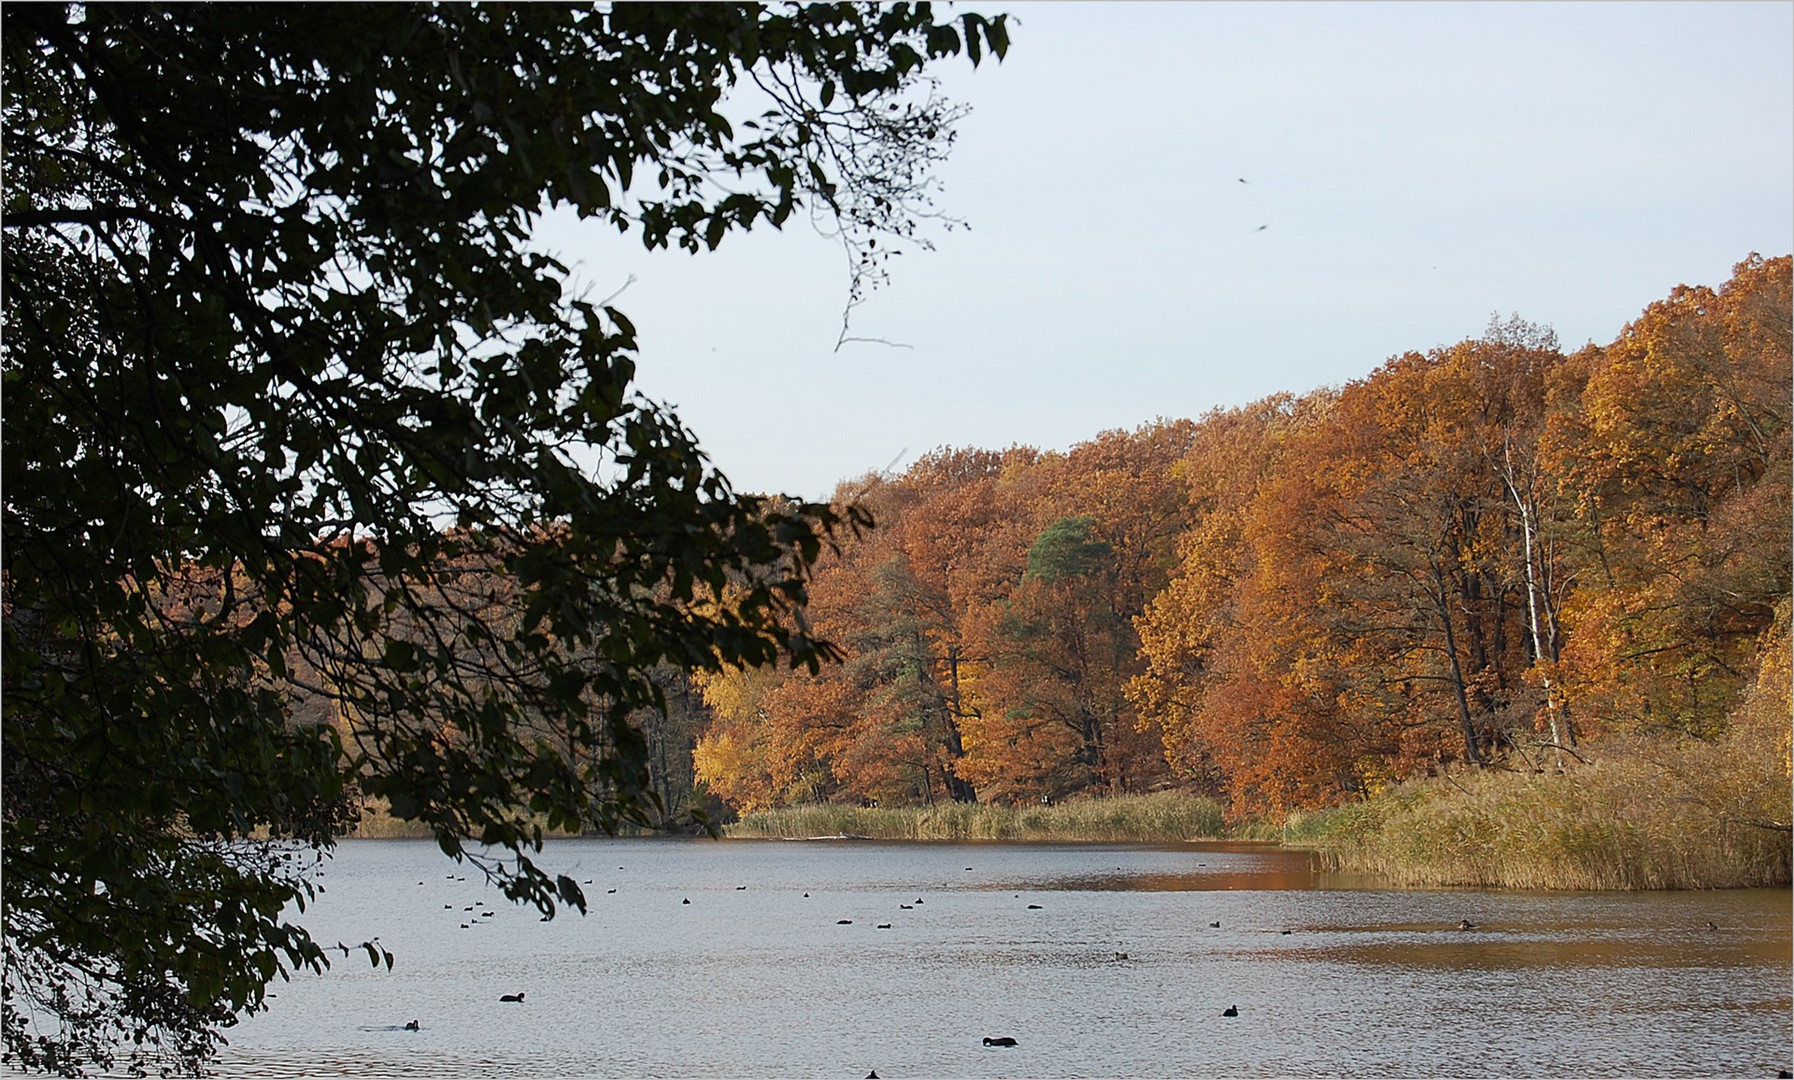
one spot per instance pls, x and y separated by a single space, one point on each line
1640 816
1161 817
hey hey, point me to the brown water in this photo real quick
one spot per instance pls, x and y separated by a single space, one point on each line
754 978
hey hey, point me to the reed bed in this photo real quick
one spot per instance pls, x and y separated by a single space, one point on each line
1640 818
1162 817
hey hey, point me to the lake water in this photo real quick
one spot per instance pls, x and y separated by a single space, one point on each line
755 978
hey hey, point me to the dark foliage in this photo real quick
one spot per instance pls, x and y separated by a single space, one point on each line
320 485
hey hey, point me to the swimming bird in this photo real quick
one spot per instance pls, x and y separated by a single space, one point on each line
843 922
610 890
685 901
517 997
907 907
1121 956
411 1026
918 899
1283 931
485 914
1214 926
1033 907
448 907
741 888
884 926
1712 925
1001 1040
1231 1010
1466 925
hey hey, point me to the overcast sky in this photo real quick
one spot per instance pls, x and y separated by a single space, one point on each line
1417 167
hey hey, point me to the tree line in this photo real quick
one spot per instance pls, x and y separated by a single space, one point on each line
1492 554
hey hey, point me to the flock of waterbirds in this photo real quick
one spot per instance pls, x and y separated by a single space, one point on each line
999 1041
996 1041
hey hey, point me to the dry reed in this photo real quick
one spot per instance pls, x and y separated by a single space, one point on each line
1641 817
1163 817
1639 814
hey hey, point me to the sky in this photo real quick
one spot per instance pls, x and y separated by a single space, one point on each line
1415 168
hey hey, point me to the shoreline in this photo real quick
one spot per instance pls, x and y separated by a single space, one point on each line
1605 826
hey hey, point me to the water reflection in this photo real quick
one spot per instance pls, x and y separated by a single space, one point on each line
1279 875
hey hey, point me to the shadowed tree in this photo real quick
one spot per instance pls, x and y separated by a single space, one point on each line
282 369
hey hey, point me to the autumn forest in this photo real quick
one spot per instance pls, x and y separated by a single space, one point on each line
1494 553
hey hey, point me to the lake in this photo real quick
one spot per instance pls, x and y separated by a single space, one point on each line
798 958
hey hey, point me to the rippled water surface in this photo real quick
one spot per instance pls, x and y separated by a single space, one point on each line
755 978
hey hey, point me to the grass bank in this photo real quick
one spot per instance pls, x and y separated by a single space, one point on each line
1164 817
1637 818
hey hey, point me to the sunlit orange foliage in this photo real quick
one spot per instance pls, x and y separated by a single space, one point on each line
1473 555
1234 452
1362 602
1676 451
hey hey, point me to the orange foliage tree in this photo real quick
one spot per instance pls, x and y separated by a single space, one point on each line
1373 608
964 672
1674 444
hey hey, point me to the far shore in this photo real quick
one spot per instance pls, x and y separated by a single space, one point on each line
1601 827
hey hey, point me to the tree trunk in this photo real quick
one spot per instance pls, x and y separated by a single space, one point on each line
957 789
1442 603
1539 653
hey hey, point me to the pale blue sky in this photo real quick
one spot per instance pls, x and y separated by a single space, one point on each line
1418 166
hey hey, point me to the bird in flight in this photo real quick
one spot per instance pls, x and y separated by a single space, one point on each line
1261 228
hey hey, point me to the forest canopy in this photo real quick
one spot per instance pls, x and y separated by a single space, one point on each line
1485 554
